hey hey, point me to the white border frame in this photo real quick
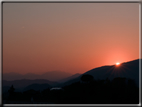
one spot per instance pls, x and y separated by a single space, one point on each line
81 1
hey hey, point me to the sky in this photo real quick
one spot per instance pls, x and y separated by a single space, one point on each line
68 37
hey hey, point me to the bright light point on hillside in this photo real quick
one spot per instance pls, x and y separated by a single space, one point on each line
117 63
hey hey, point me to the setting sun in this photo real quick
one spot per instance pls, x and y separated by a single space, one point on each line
117 63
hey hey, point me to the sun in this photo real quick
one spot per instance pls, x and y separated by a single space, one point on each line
117 63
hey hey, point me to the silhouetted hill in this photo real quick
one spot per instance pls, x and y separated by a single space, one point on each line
51 76
55 75
127 69
25 82
102 85
37 87
69 78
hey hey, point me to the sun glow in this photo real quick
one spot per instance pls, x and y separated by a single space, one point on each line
117 63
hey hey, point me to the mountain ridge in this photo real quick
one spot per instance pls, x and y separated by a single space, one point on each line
125 69
25 82
46 75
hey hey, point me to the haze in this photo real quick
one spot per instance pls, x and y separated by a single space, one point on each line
69 37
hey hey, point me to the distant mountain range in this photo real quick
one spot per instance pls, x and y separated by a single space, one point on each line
20 84
127 69
51 76
37 87
37 84
69 78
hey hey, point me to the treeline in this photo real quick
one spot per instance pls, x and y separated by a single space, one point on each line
85 91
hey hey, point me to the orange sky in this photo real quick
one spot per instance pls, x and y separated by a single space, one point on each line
70 37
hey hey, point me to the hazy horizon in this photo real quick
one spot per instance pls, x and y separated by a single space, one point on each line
64 71
68 37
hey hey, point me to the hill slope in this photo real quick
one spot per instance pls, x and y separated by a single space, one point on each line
69 78
127 69
37 87
51 76
25 82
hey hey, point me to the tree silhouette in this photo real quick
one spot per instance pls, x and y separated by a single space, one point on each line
11 93
116 91
131 82
119 81
87 78
11 90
